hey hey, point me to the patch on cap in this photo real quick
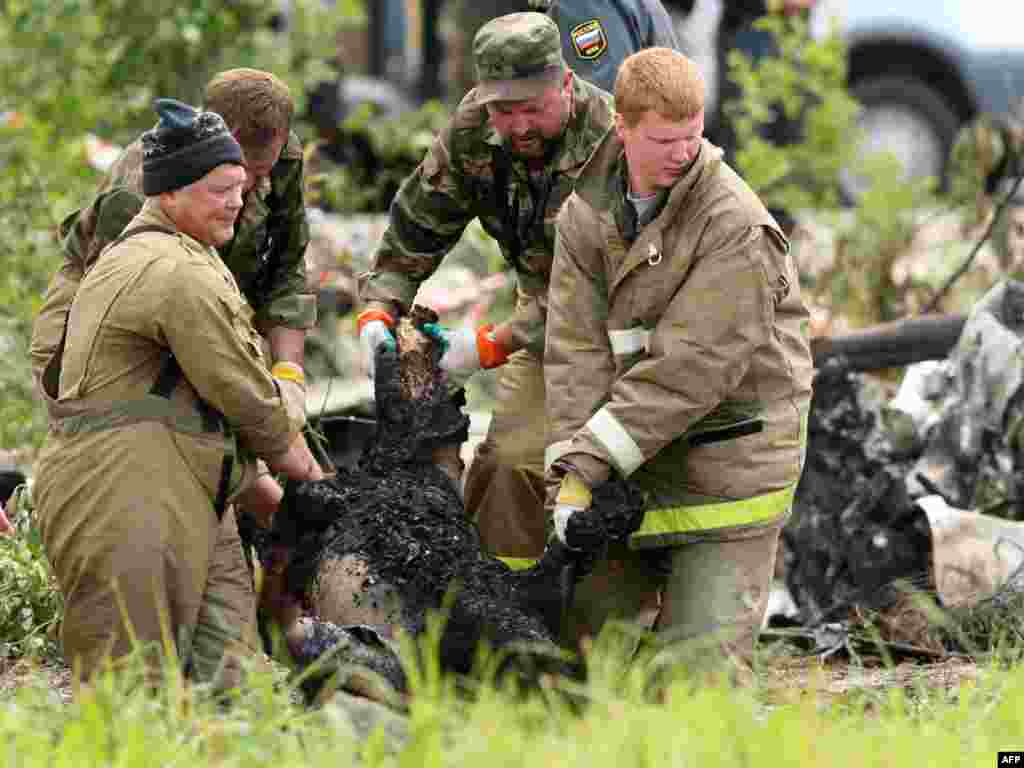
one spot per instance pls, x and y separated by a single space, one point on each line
589 39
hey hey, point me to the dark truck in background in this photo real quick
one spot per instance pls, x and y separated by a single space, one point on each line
920 68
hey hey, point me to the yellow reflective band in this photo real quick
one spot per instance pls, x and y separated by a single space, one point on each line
288 372
725 514
519 563
574 492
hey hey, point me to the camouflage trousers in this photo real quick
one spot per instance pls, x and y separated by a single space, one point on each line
705 599
504 490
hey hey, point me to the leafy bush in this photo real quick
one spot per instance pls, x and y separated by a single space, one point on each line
95 67
806 81
30 603
42 179
384 150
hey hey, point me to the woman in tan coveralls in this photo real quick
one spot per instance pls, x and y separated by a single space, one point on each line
159 381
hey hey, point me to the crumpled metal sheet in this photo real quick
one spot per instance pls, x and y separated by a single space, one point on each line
972 452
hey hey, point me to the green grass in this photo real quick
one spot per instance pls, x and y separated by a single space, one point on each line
614 721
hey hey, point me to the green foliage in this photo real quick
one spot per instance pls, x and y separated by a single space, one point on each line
805 81
97 64
868 243
384 151
42 179
30 603
118 722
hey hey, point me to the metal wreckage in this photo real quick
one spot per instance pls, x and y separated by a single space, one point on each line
908 516
908 509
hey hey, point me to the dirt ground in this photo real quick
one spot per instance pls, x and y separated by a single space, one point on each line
789 680
783 680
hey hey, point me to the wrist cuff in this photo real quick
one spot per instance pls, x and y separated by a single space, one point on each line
287 371
492 353
374 314
574 492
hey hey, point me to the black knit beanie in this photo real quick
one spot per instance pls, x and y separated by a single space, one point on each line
184 146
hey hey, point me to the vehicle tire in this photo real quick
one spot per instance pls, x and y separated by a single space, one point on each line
909 118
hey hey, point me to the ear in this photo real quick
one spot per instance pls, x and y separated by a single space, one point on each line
620 127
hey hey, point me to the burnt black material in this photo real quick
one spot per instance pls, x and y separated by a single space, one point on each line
10 478
362 647
854 531
402 516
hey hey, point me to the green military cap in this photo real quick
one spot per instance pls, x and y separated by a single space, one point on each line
517 57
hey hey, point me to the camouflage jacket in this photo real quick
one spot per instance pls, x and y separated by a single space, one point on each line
266 256
468 173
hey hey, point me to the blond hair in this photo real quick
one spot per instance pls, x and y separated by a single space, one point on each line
658 79
256 105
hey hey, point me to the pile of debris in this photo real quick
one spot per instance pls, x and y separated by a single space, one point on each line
907 512
384 546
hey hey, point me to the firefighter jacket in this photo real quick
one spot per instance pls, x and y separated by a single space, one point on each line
468 173
677 353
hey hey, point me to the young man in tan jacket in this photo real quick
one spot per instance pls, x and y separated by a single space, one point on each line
158 390
676 354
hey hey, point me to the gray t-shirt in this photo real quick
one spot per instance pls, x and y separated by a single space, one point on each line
646 207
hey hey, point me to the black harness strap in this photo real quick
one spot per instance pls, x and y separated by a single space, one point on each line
168 378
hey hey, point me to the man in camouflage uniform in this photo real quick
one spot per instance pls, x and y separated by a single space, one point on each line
509 155
266 254
156 385
677 354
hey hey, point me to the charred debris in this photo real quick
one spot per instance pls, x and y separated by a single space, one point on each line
898 498
387 544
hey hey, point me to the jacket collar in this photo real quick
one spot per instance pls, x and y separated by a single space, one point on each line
152 213
604 187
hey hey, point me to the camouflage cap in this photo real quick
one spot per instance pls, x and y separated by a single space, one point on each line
517 57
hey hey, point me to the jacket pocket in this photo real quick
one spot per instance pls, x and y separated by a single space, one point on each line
241 315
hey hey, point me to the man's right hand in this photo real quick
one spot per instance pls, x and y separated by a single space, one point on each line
574 498
375 328
297 462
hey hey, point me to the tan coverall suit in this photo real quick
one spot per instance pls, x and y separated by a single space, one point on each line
132 488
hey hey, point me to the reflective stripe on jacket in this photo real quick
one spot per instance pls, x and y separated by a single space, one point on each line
678 356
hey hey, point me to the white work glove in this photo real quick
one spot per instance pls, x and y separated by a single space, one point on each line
375 329
466 351
573 497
